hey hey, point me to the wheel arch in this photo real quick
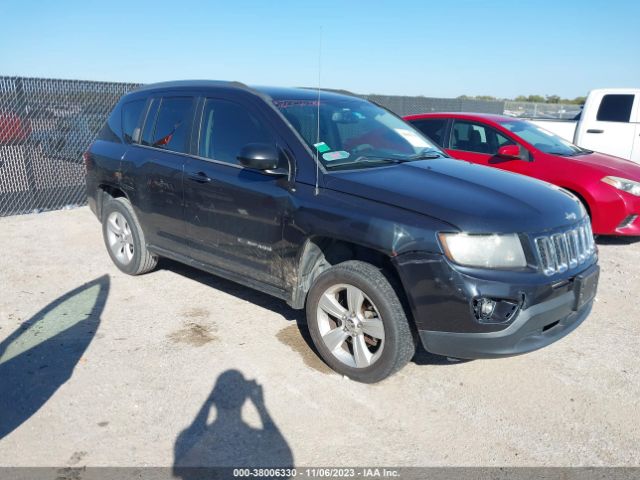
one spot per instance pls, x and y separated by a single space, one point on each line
583 199
105 192
322 252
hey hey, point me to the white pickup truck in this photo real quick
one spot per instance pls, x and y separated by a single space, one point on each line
609 123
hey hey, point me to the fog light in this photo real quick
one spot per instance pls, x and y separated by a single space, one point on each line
484 308
489 310
627 222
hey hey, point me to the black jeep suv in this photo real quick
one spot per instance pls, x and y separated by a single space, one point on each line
336 205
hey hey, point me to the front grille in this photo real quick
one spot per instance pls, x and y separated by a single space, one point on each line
566 250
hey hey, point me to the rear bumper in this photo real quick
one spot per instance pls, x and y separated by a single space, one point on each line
534 328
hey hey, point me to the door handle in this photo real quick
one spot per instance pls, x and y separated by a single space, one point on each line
199 177
593 130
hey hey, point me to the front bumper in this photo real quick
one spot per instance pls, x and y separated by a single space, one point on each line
534 328
441 297
616 216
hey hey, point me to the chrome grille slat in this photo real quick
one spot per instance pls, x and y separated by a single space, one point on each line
573 248
566 250
580 241
560 242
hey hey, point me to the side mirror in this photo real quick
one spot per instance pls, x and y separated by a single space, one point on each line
509 151
259 156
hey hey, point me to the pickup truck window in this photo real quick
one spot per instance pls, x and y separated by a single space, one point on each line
615 108
353 133
226 127
172 124
478 138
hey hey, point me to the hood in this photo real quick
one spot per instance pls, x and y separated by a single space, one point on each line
609 165
472 197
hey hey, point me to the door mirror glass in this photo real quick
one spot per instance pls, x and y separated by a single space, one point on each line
259 156
509 151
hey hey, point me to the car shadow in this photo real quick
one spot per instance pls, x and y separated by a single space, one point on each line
229 441
610 240
422 357
41 354
231 288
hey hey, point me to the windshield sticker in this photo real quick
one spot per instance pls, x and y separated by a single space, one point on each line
412 137
295 103
321 147
332 156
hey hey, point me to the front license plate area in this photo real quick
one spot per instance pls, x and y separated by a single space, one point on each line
585 286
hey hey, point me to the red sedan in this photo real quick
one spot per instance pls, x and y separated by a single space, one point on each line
609 187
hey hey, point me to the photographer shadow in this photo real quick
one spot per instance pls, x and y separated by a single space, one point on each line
228 441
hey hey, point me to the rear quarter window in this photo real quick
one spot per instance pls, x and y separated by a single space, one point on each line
132 113
615 108
111 131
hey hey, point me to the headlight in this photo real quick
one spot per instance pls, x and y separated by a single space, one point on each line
629 186
486 251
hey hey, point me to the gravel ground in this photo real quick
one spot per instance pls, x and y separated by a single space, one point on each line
178 365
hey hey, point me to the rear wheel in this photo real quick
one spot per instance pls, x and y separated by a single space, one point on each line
124 238
358 323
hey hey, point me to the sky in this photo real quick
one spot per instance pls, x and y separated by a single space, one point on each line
401 47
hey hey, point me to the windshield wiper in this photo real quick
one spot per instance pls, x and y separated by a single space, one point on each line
367 159
428 154
584 151
562 154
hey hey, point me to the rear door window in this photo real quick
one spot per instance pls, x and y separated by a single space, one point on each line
227 127
172 125
433 128
615 108
131 119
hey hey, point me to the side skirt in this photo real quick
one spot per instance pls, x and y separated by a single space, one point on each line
224 273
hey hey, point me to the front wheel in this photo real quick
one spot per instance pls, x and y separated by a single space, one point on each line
358 323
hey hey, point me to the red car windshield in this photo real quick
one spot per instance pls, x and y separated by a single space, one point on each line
542 139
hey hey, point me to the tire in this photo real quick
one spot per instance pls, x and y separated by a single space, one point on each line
335 291
124 238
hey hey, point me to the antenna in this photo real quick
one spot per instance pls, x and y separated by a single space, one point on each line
317 190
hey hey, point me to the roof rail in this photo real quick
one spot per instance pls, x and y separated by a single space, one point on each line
191 84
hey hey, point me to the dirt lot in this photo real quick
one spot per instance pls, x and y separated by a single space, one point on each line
178 364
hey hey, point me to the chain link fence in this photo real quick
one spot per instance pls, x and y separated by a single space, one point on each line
551 111
47 124
402 105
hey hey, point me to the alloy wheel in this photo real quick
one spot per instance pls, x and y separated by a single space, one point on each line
350 325
120 238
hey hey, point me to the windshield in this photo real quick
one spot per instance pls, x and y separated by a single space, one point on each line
542 139
354 133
